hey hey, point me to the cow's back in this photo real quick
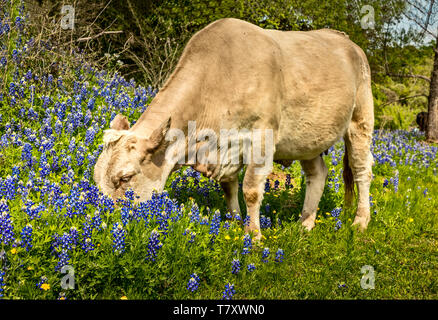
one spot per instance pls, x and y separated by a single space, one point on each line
322 71
235 75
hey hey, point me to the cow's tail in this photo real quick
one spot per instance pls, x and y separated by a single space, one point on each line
347 174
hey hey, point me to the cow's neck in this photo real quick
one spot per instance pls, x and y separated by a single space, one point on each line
173 99
155 114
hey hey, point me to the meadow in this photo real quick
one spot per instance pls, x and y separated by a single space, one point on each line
183 244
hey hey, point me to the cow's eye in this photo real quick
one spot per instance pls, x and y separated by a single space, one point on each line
125 179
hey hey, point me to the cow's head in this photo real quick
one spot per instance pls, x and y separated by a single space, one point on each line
129 161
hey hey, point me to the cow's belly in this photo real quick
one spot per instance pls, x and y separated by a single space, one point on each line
304 135
294 148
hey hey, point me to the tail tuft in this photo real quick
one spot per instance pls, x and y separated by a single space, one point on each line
348 181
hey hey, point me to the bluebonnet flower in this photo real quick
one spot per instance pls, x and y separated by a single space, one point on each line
89 136
26 237
338 224
90 104
28 75
279 255
42 281
61 296
193 283
267 186
2 283
19 23
235 266
58 127
396 183
72 145
64 259
247 244
26 154
229 292
3 61
44 166
288 182
194 214
192 237
336 212
265 222
119 235
6 228
215 225
87 229
153 246
33 210
265 255
163 222
250 267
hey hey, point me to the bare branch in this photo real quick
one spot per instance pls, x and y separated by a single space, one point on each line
404 99
98 35
423 23
399 75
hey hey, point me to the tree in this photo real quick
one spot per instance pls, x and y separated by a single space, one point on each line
424 15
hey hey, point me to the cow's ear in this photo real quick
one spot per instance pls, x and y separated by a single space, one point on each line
120 122
111 135
157 137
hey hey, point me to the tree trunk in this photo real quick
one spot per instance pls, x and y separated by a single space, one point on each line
432 124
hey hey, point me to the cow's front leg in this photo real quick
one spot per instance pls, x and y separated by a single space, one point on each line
231 191
253 189
315 171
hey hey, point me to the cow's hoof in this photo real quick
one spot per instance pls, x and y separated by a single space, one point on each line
255 233
361 222
257 237
308 223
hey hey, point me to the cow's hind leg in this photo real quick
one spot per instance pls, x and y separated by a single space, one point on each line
358 140
231 191
315 172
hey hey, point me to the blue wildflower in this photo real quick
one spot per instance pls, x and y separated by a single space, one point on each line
193 283
2 283
229 292
6 228
265 255
279 255
153 246
119 235
215 225
247 244
26 237
235 266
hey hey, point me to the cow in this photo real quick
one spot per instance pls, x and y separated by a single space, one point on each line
309 89
422 121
